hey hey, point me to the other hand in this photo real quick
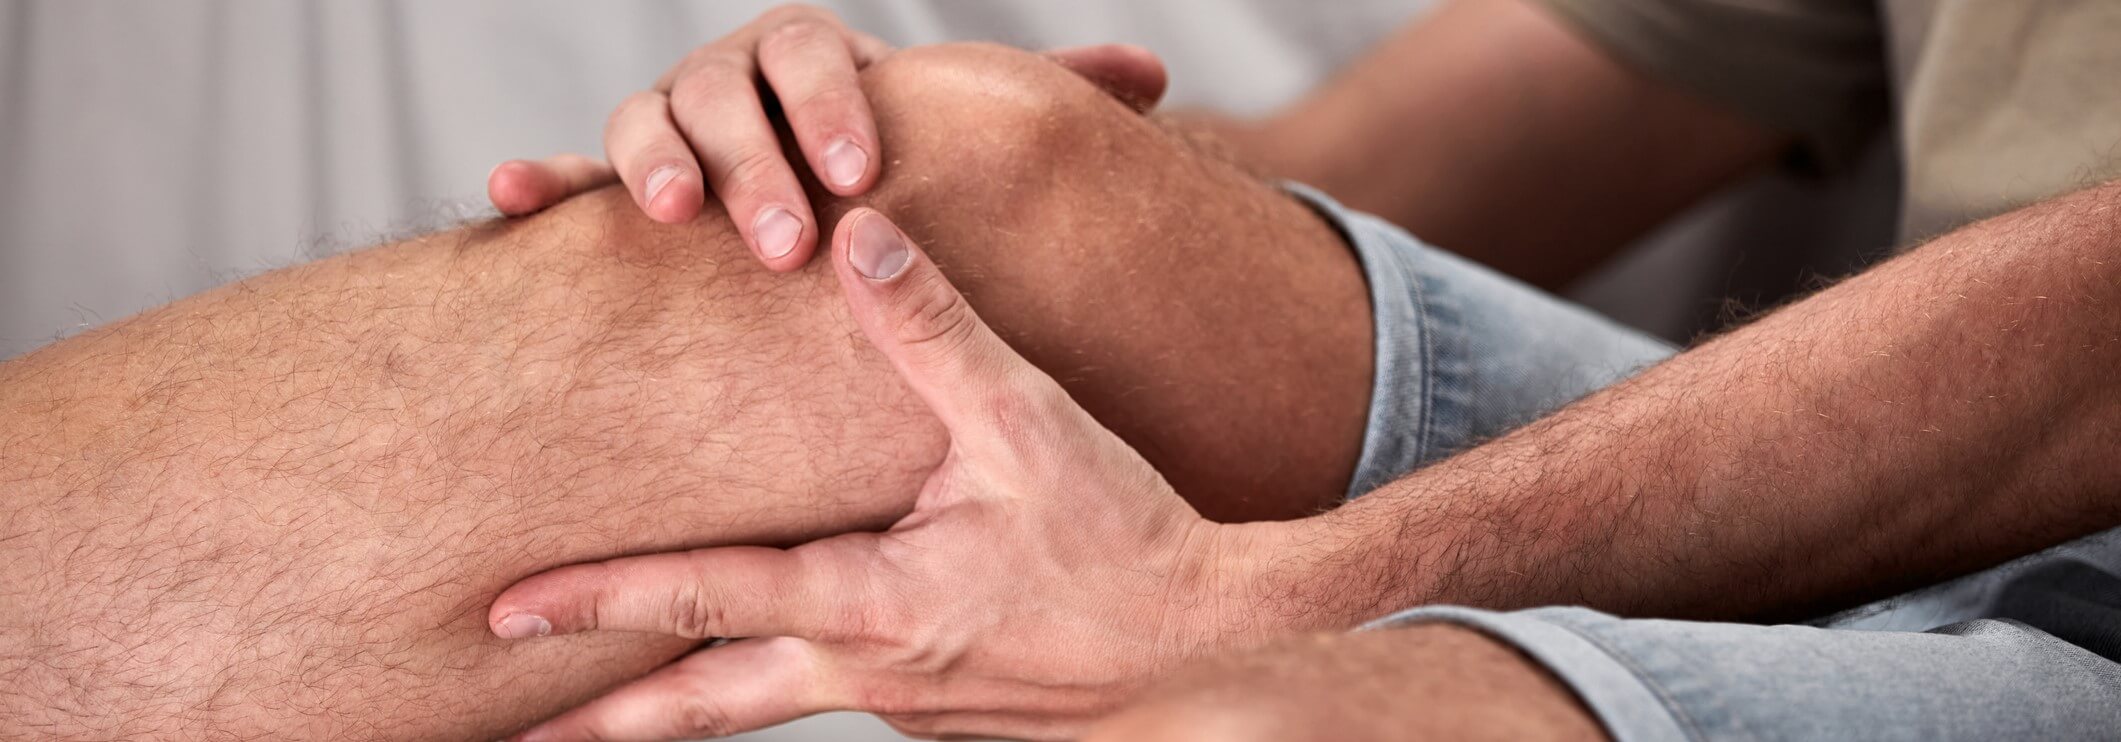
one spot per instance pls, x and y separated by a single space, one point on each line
1045 573
1422 682
707 124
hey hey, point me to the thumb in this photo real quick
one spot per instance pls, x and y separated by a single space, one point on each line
1130 73
981 389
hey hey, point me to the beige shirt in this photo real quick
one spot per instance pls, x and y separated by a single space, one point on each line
1995 103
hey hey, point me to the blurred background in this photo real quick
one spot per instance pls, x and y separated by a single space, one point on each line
152 150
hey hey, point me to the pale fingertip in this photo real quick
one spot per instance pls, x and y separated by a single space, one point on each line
513 187
661 179
678 203
522 626
846 164
667 198
876 249
777 230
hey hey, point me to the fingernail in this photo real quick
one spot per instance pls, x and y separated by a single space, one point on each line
522 626
845 162
877 250
660 178
776 230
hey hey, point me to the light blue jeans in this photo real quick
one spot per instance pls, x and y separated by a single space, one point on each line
2022 651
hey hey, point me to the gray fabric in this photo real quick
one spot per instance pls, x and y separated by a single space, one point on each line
1648 679
1464 354
1995 105
2024 650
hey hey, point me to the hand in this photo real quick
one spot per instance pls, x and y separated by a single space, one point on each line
1423 682
706 114
1045 573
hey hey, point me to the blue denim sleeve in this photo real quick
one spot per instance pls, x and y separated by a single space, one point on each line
1464 354
1649 679
1629 708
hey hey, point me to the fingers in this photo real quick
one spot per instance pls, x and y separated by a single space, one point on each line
716 106
867 49
726 690
980 388
812 71
1130 73
699 594
653 158
519 187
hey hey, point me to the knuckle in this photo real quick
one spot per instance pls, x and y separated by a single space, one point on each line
837 100
897 700
934 318
847 621
874 623
752 174
1016 411
719 75
702 715
644 102
691 615
916 726
798 32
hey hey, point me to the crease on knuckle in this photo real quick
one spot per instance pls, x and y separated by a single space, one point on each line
702 715
753 174
916 726
897 703
691 615
1017 410
935 319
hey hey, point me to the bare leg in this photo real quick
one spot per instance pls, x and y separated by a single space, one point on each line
278 509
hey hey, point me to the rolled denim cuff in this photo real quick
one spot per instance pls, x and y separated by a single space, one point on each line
1628 706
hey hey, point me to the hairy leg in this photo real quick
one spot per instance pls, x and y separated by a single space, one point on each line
278 509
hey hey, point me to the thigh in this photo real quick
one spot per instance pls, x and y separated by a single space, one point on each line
279 509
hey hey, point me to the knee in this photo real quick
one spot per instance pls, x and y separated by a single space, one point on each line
962 119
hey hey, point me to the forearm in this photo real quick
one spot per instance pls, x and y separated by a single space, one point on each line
1948 410
1486 112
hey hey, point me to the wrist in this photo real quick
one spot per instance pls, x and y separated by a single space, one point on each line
1325 573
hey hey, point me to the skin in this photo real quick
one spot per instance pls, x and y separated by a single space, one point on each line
1454 128
1944 412
1484 111
279 509
1456 684
895 622
877 643
705 121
